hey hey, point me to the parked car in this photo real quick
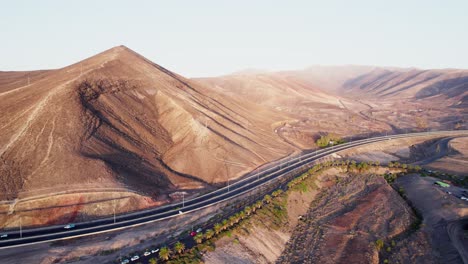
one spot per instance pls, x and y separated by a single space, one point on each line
193 233
199 230
147 253
155 250
3 235
136 257
125 261
464 198
69 226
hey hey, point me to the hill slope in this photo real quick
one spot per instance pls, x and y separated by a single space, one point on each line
417 84
117 119
355 100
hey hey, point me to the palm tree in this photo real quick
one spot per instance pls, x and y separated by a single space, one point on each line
232 220
259 204
198 238
164 253
179 247
241 215
225 224
248 210
237 218
218 227
209 233
153 261
267 198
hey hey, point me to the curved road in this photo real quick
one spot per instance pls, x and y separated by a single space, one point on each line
53 233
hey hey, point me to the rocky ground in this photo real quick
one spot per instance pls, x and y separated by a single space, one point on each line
262 241
343 224
334 217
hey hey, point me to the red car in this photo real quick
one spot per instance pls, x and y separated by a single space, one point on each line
193 233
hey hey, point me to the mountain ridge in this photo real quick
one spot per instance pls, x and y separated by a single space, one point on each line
129 121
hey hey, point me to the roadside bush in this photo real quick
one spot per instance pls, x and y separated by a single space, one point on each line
390 178
379 244
325 140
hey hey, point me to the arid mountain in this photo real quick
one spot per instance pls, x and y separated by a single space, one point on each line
365 99
313 110
330 78
117 119
450 85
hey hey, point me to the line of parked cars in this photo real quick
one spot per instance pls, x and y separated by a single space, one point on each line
153 251
137 257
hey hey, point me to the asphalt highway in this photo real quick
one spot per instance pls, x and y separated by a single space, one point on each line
53 233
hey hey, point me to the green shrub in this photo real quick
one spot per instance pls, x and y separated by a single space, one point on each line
379 244
324 140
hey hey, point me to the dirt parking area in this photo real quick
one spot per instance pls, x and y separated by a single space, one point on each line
444 217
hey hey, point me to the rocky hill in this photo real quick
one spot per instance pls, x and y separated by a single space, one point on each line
117 119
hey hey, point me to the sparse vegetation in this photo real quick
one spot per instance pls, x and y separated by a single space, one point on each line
329 140
209 233
379 244
179 247
164 253
198 238
271 208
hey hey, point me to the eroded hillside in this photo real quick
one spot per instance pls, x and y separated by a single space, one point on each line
335 216
354 100
117 119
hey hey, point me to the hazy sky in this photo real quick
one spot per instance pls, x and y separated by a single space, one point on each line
205 38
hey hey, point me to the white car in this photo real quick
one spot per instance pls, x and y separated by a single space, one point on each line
125 261
155 250
464 198
199 230
147 253
3 235
136 257
69 226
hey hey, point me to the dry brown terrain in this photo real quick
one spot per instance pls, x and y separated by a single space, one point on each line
457 159
312 110
343 215
355 100
346 221
119 121
264 241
